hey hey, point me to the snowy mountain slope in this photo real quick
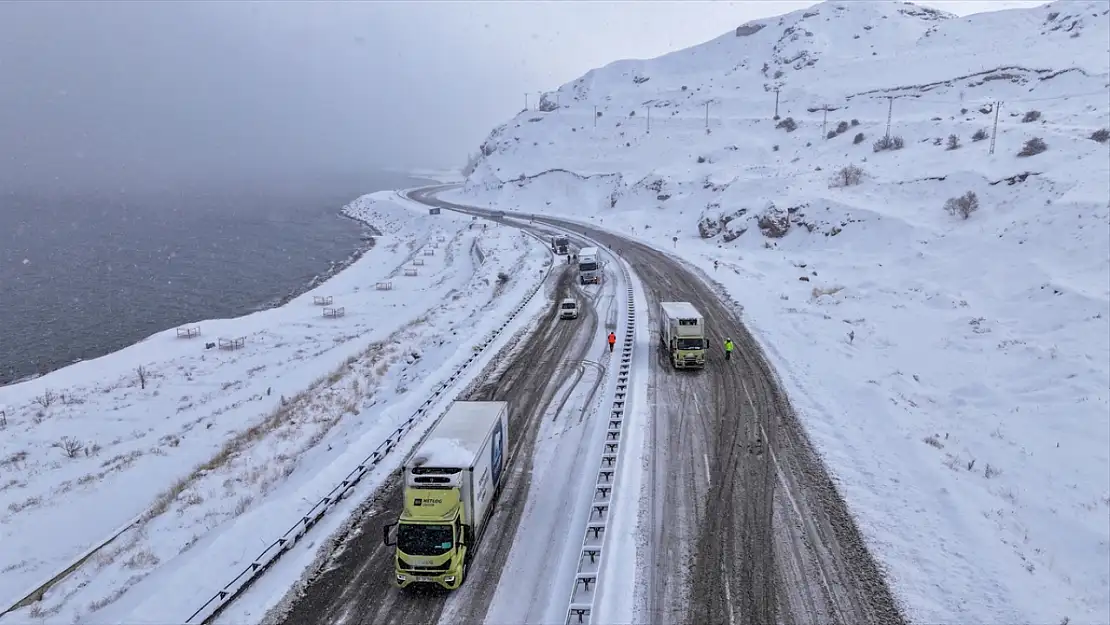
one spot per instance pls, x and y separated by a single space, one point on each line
954 373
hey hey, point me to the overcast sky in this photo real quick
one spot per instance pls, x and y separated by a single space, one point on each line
158 90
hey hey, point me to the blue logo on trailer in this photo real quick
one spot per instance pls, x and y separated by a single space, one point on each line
497 453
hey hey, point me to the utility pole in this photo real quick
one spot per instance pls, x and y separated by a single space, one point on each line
994 132
889 113
526 100
707 117
595 116
824 120
776 103
649 120
558 101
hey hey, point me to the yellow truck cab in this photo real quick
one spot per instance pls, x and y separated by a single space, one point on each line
451 482
682 334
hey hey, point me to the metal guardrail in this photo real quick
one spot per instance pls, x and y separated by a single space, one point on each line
294 534
584 592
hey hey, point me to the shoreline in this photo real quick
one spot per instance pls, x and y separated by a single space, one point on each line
367 241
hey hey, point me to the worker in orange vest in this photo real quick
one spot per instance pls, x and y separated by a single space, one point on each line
612 341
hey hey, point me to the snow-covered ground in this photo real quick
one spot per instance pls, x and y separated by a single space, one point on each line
954 373
210 454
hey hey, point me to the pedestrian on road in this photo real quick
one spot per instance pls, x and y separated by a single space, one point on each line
612 341
728 348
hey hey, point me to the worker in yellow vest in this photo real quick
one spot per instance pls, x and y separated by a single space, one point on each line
729 346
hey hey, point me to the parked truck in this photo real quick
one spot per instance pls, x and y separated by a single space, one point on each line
560 245
450 484
682 334
589 266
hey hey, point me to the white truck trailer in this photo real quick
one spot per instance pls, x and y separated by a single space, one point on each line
451 482
589 266
682 334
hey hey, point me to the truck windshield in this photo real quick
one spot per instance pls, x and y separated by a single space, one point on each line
690 344
587 267
424 540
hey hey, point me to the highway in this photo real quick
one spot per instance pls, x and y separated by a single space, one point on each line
747 525
354 585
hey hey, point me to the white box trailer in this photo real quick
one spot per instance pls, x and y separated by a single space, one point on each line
589 265
682 334
450 483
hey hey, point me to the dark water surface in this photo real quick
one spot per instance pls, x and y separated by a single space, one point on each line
82 275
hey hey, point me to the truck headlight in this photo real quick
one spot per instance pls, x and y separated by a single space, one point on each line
450 579
401 578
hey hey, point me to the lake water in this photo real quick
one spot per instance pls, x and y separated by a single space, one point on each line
85 275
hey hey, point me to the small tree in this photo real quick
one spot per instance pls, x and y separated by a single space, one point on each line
855 122
962 206
831 134
842 128
46 399
1032 147
889 142
953 142
141 372
70 446
788 124
847 176
979 135
1102 136
1031 116
858 138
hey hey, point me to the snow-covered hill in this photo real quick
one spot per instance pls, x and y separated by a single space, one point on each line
954 372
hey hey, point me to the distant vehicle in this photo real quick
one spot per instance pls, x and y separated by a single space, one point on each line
682 334
589 266
498 214
433 211
568 308
560 245
451 483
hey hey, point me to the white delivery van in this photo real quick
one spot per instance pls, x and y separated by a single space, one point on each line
568 308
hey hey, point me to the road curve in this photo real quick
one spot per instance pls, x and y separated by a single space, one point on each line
748 525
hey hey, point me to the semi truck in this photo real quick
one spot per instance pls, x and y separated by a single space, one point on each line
682 334
450 485
589 266
560 245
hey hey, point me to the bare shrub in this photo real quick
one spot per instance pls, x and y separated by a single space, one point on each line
70 446
962 206
841 128
502 277
12 460
979 135
953 142
1030 116
858 138
141 372
1032 147
818 291
934 441
243 504
144 559
990 471
788 124
855 122
46 399
831 134
847 176
1101 135
889 142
